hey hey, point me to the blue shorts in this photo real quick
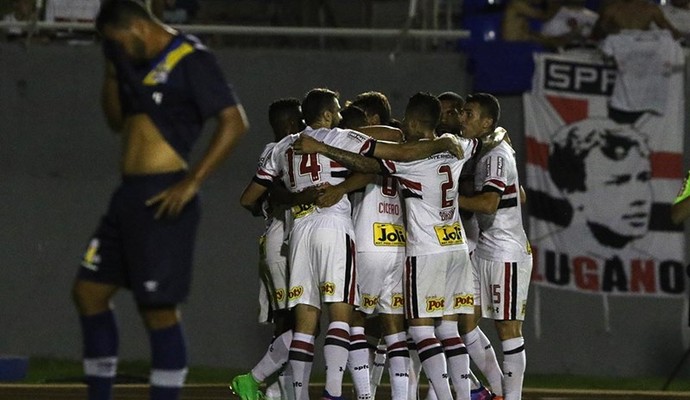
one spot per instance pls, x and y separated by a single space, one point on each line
132 249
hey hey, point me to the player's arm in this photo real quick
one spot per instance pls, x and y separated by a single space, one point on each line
411 151
382 132
330 195
485 202
306 144
279 195
110 99
231 126
252 196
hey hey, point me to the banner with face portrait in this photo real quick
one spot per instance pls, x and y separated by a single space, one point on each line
600 183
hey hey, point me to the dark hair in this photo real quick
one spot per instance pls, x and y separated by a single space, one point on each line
451 96
572 144
120 13
425 109
284 112
353 117
316 102
374 103
488 105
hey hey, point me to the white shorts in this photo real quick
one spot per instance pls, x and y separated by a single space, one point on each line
322 264
438 284
273 277
504 288
475 280
379 276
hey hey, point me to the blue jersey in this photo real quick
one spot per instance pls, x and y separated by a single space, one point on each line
179 90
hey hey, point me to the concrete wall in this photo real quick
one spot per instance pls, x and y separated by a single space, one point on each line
58 165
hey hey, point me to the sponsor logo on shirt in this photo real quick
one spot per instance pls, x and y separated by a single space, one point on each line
389 235
449 235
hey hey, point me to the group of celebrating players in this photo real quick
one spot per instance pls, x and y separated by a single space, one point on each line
408 232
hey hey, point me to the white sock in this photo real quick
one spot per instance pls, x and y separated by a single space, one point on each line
484 357
358 363
456 356
514 363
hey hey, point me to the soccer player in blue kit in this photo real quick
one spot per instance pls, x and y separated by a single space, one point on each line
159 88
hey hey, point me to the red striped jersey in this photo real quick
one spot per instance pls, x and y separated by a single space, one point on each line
430 190
502 236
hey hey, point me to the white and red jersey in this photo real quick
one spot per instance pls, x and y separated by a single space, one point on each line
502 237
301 171
430 190
274 219
377 214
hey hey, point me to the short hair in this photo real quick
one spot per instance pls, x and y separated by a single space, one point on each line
316 102
120 13
425 109
488 106
353 117
452 97
572 144
284 111
374 103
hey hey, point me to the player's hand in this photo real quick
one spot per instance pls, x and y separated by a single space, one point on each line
172 200
329 195
307 145
453 145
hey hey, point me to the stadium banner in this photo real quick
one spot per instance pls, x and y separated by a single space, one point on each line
600 183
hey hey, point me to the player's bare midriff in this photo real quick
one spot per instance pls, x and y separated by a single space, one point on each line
145 150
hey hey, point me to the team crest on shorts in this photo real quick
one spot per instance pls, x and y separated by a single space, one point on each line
295 292
328 288
91 257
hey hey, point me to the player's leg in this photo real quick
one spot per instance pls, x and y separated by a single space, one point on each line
99 335
510 281
334 254
456 356
514 357
271 365
398 354
424 284
337 347
392 316
273 309
301 356
101 273
159 260
358 356
459 299
168 351
478 345
481 352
